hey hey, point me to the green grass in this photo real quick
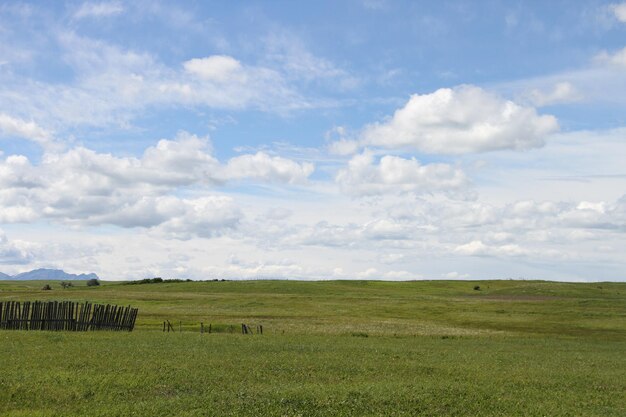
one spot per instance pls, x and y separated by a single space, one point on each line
329 348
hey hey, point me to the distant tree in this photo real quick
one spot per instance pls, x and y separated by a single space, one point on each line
93 282
46 287
66 284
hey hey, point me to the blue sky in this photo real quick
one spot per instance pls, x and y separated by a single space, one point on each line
340 140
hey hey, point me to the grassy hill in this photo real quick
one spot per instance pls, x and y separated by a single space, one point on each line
328 348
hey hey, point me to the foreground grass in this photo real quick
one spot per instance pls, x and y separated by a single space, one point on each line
330 348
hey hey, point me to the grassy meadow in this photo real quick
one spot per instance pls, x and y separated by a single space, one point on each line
345 348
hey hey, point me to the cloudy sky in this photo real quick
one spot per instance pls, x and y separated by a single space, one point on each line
314 140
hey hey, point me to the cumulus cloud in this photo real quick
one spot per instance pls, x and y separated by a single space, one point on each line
562 92
221 81
460 120
264 167
432 226
501 224
478 248
13 126
15 252
379 232
205 217
393 174
619 9
81 186
215 68
96 10
344 146
335 235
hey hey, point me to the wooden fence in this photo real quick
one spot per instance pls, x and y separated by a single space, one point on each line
65 315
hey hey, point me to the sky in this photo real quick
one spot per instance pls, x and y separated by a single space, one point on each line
354 139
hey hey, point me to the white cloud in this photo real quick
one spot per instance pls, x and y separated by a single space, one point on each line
343 147
617 58
204 217
562 92
455 275
392 258
15 252
84 187
401 275
432 236
111 86
619 9
277 213
96 10
12 126
461 120
219 68
369 273
385 229
290 54
183 161
394 174
264 167
320 234
478 248
602 81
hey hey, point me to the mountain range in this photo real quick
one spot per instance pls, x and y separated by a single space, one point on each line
48 274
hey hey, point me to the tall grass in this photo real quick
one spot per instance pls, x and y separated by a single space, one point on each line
432 348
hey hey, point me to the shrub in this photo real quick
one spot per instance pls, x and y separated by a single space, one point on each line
66 284
476 287
158 280
46 287
93 282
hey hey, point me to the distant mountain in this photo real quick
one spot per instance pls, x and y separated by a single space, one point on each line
48 274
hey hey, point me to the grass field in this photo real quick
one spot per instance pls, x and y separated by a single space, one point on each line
433 348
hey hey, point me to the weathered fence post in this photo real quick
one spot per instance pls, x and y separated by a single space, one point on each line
65 316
